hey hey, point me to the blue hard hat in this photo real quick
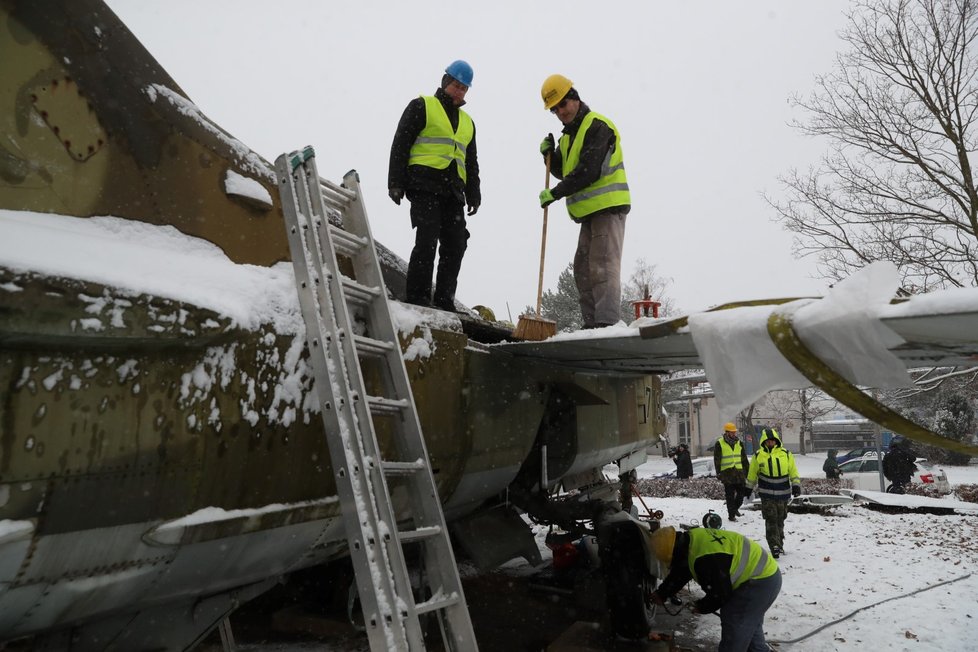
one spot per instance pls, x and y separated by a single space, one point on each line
460 71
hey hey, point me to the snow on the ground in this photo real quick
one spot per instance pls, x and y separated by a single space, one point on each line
852 559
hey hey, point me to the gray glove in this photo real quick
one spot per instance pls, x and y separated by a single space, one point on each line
396 195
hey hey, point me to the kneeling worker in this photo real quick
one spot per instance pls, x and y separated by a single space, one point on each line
739 577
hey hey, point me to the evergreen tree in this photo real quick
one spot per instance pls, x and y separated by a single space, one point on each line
954 418
562 305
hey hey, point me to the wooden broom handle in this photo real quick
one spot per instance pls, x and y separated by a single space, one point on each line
543 239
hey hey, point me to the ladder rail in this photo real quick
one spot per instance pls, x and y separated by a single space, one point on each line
326 297
339 412
414 445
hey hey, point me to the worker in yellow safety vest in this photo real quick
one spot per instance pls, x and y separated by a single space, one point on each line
774 473
589 162
730 460
434 163
738 576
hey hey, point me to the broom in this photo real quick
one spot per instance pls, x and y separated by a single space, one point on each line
535 327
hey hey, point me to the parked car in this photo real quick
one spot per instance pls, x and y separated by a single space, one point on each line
702 468
864 474
859 452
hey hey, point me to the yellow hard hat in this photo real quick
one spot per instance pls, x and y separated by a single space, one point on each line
662 542
553 90
730 427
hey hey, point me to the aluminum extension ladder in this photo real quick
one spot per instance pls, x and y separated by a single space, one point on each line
327 298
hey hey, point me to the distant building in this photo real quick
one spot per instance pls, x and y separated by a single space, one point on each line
845 432
695 420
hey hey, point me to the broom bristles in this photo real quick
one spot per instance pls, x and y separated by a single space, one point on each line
534 328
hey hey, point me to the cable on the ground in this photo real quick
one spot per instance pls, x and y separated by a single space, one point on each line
869 606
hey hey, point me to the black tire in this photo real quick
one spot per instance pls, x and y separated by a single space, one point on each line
628 584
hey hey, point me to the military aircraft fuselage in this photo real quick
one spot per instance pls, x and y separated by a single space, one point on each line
159 461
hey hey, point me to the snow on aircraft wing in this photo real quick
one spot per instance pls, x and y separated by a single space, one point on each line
616 349
853 338
938 329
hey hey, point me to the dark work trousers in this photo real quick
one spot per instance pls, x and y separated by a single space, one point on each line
439 221
597 268
742 615
734 493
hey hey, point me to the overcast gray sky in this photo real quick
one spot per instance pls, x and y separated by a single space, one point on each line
697 90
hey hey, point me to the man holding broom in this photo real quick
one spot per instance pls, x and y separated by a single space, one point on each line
588 160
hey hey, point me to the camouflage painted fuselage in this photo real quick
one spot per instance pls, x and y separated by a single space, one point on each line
156 459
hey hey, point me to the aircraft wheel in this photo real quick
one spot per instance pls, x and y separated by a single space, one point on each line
628 586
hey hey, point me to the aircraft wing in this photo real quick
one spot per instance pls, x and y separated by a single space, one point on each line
938 329
651 347
852 338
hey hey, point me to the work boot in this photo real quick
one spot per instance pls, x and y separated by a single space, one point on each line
732 518
776 552
738 513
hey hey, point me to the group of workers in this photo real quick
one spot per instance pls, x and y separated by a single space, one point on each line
434 164
739 577
772 472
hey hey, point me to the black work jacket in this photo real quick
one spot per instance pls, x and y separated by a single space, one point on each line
421 177
684 465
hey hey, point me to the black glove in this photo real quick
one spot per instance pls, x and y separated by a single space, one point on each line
396 195
746 492
547 145
795 490
473 209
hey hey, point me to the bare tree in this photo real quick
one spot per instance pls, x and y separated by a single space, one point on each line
645 280
804 406
745 423
900 112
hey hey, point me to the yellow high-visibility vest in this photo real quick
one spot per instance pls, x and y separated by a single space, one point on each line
750 560
611 188
438 145
729 455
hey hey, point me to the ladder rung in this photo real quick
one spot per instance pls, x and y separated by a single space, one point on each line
356 293
345 242
382 405
370 346
436 603
335 192
407 536
402 468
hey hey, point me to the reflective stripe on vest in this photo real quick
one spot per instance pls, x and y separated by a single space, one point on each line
611 188
729 455
772 474
750 561
437 145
